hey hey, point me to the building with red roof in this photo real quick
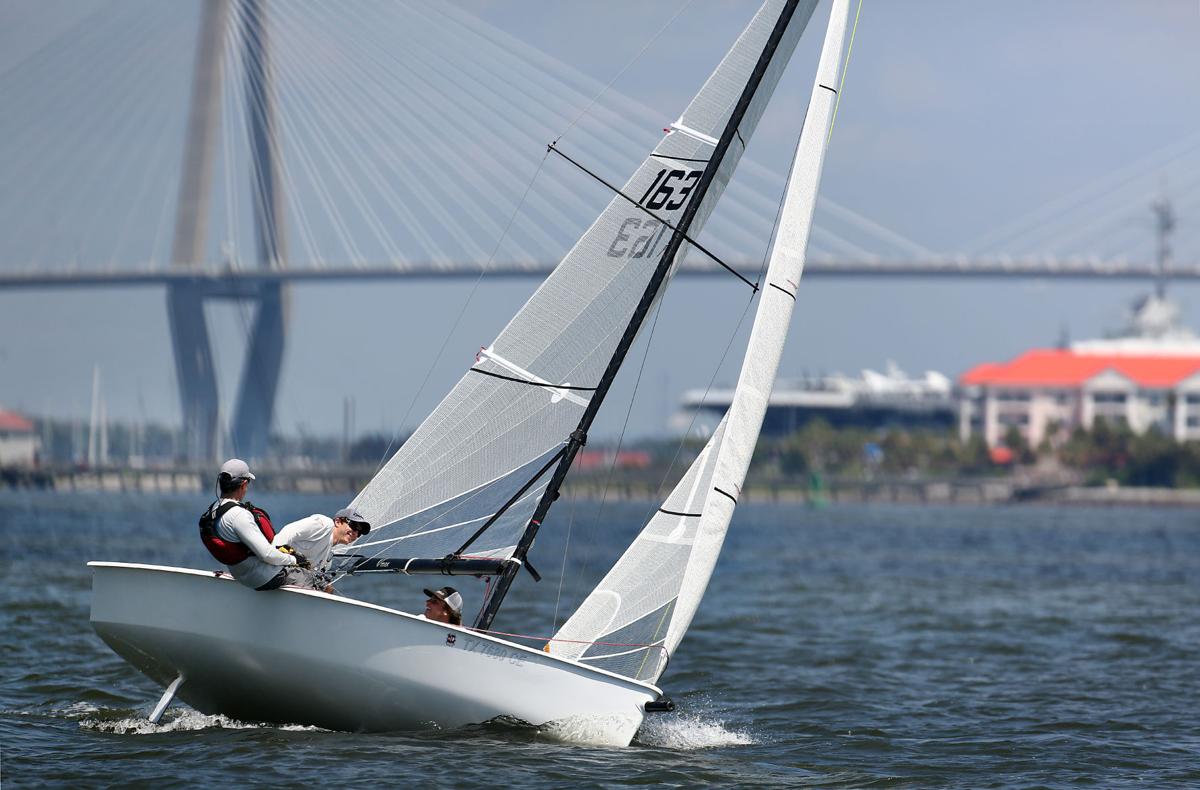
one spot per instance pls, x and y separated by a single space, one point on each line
1048 390
18 440
1146 377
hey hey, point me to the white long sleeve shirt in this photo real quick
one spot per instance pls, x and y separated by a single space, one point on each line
264 561
311 536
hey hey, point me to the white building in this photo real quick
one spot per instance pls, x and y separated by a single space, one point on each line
18 442
1148 377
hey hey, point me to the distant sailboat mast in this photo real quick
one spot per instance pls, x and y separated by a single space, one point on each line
579 436
93 447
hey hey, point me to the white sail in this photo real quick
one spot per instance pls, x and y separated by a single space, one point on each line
514 410
635 618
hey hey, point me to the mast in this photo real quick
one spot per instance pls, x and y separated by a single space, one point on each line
578 437
94 423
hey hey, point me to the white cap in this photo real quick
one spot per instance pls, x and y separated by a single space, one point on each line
237 469
448 596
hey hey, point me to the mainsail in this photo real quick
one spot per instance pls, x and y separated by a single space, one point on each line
482 456
635 618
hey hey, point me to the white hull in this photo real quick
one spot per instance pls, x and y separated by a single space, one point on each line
305 657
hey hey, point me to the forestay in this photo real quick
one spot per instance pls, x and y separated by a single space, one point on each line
635 618
512 412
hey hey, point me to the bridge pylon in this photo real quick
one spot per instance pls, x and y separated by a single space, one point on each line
195 370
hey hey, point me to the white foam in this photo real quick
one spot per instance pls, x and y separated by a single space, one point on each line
76 710
184 721
687 732
597 730
79 710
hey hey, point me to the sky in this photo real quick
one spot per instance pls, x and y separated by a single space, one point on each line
956 119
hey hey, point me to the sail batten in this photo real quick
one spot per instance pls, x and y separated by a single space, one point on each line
624 602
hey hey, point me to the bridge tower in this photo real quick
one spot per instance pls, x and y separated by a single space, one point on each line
1164 224
195 371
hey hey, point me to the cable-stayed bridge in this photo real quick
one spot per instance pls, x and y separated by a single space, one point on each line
233 282
235 147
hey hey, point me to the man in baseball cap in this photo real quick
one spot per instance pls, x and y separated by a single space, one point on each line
238 534
444 606
312 540
354 519
236 470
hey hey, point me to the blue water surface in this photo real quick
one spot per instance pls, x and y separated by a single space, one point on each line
880 646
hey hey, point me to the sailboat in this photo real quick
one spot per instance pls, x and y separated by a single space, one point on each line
469 490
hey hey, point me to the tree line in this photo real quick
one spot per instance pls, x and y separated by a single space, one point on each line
1109 451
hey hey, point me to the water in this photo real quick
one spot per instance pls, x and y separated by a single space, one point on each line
855 647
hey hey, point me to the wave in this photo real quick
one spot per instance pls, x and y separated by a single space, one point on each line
183 721
684 732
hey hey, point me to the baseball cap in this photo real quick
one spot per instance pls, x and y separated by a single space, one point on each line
448 596
361 525
237 469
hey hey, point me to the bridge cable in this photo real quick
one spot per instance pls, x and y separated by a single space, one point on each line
619 74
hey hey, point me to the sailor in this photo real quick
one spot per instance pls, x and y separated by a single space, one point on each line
239 535
314 537
444 606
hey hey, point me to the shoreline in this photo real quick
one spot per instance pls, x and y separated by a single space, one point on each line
964 491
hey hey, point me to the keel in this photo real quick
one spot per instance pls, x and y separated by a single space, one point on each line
166 699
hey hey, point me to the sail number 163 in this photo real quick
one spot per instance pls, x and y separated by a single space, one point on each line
670 189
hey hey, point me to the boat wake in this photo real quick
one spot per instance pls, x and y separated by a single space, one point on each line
182 721
682 732
685 732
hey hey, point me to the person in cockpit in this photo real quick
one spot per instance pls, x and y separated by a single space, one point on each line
444 606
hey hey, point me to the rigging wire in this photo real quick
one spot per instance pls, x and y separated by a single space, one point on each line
766 257
721 362
620 439
695 414
463 311
845 67
562 573
620 73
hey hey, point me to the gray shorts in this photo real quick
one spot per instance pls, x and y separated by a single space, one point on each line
296 577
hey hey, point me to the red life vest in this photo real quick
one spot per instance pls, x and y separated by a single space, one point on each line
231 552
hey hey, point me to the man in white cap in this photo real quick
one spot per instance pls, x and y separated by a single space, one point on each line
444 606
314 537
239 535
